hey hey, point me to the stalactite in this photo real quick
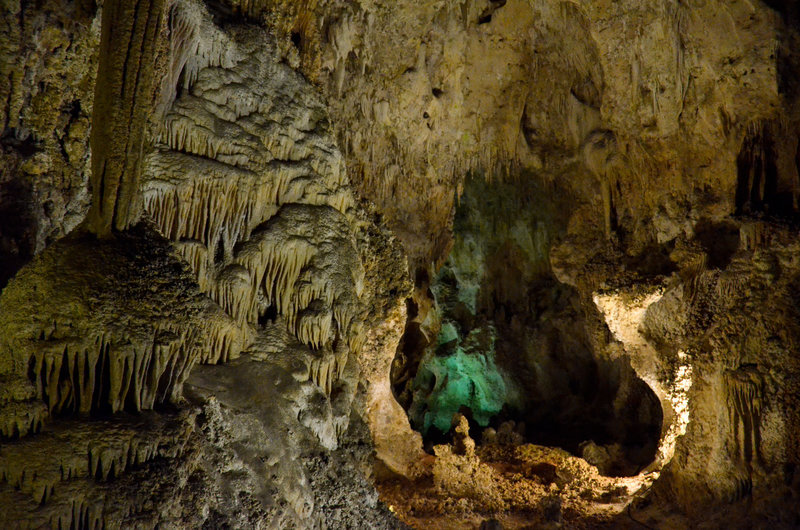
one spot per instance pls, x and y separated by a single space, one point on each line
222 203
122 105
22 418
745 404
327 369
733 282
226 160
312 276
753 235
193 45
275 267
234 292
242 156
121 328
314 329
148 327
99 450
202 214
105 372
696 276
226 341
757 174
195 253
84 514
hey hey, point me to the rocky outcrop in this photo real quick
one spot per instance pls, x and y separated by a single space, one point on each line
49 59
600 197
257 248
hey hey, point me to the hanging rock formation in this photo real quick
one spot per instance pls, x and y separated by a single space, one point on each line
246 184
117 326
594 203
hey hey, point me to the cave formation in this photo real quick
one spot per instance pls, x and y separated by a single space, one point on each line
389 264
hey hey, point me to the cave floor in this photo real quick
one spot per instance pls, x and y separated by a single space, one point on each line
516 486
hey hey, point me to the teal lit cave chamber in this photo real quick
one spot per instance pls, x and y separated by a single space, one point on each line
494 335
451 379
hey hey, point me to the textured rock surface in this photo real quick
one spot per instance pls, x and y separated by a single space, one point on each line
617 182
49 63
101 327
271 233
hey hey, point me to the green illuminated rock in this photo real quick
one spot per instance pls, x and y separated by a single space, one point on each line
453 377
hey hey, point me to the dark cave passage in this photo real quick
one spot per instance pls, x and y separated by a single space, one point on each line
766 186
495 337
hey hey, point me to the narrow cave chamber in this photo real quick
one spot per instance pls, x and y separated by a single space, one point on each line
494 336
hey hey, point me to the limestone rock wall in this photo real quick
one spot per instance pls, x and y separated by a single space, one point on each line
286 135
49 62
254 251
639 109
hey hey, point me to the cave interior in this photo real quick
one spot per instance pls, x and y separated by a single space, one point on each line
490 264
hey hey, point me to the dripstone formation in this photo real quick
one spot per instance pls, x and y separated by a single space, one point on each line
379 264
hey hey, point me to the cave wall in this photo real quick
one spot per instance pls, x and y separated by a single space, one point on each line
645 104
49 60
255 258
291 140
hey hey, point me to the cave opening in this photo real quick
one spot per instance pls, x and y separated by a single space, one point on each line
494 336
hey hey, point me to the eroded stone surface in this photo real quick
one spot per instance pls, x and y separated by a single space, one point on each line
663 135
